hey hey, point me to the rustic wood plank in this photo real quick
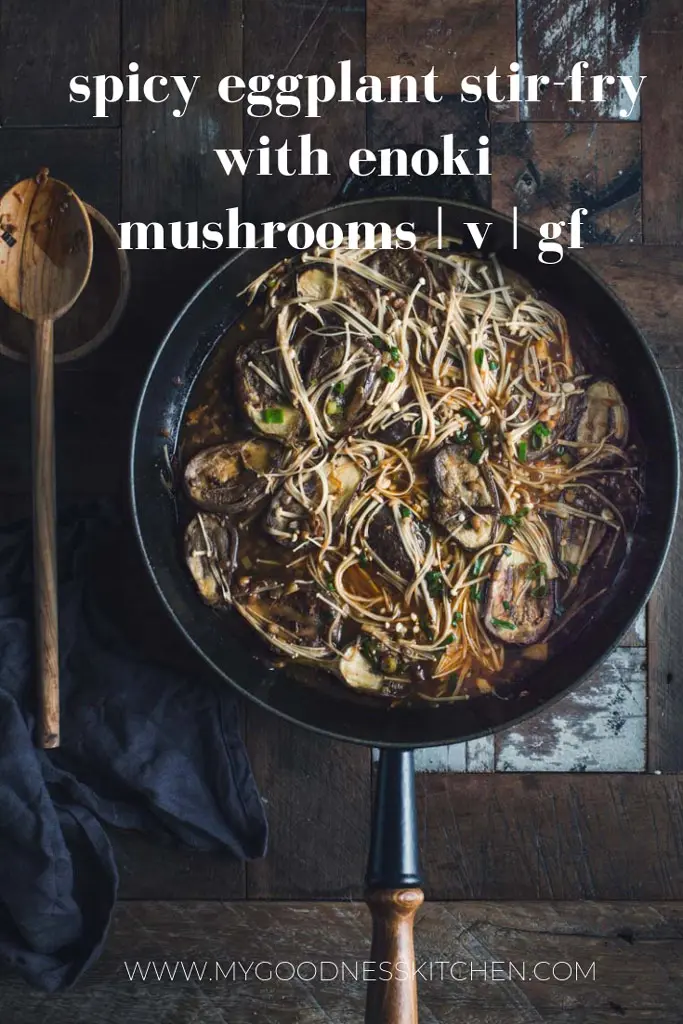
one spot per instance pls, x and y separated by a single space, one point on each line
457 39
43 46
665 626
88 159
548 170
548 836
649 280
169 169
317 792
150 871
397 125
554 35
636 636
629 957
662 47
317 798
280 38
92 435
599 727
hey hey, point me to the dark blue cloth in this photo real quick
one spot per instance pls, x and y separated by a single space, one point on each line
143 747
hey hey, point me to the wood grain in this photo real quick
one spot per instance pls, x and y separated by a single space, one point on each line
553 35
649 280
599 727
149 870
547 836
44 539
548 170
457 39
665 628
393 999
88 158
662 59
281 37
43 46
169 170
423 125
636 950
317 798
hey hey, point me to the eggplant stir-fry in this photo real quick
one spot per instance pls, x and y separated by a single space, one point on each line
405 473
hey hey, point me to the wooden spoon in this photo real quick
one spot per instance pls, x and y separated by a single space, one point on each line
45 258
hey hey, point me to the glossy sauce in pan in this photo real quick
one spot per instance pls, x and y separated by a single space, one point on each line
214 417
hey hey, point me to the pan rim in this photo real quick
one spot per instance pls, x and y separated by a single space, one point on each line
645 591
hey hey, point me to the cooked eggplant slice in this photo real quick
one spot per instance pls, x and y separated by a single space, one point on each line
391 537
211 555
262 393
576 541
519 605
343 479
603 415
357 672
317 283
340 391
463 497
290 615
231 477
287 517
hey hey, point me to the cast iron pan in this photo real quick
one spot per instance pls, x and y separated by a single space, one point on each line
393 871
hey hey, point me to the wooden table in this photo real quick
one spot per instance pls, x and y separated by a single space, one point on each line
581 804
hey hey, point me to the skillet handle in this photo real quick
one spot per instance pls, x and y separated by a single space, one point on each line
393 892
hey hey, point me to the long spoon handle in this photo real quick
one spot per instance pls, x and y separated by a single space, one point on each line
44 540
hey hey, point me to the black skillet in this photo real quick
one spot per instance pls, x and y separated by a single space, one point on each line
393 874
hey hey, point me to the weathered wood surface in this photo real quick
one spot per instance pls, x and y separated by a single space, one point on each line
661 48
457 39
305 38
548 170
89 159
317 797
43 46
547 836
423 125
553 35
665 629
622 961
169 170
600 726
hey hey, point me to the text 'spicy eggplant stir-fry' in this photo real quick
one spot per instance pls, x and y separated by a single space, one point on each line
403 472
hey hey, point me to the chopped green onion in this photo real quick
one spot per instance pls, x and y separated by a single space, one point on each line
435 583
457 617
340 387
521 451
479 357
395 354
405 512
475 457
377 342
541 430
478 440
493 365
507 606
363 559
503 624
461 437
273 416
477 593
448 640
388 374
471 416
514 520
